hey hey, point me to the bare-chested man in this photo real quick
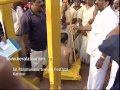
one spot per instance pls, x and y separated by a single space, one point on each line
66 52
7 80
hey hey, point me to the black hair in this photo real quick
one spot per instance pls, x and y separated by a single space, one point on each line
110 2
32 1
64 37
69 1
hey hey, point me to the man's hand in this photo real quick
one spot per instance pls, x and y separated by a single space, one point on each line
64 25
84 33
99 63
91 21
74 27
28 50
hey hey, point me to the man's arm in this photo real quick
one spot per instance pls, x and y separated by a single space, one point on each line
25 28
110 47
100 61
80 21
82 28
26 42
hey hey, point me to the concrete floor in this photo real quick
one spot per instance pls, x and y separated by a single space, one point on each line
76 85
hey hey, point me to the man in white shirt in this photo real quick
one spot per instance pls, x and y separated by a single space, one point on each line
85 17
17 6
17 28
104 22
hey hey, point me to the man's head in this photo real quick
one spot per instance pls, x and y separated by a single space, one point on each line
64 4
26 1
36 5
102 4
90 2
64 38
116 4
77 3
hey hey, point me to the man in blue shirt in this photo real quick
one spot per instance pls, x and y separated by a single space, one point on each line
110 47
33 26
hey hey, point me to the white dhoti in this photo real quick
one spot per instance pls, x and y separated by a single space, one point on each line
84 57
114 70
78 42
97 76
38 59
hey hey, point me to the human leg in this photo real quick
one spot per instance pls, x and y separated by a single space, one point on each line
97 76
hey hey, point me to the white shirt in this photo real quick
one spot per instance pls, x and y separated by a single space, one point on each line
16 20
87 14
70 14
19 11
104 23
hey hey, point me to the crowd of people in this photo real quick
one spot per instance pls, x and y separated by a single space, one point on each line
86 26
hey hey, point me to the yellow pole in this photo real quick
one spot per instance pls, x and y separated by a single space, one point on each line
53 36
7 1
6 10
9 27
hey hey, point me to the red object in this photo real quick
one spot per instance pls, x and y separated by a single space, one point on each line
26 5
84 1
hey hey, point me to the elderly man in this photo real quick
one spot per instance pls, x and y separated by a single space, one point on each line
105 21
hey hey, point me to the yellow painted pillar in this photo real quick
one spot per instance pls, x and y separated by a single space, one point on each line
7 1
53 36
8 24
5 6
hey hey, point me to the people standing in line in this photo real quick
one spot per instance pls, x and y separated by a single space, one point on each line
33 26
105 21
